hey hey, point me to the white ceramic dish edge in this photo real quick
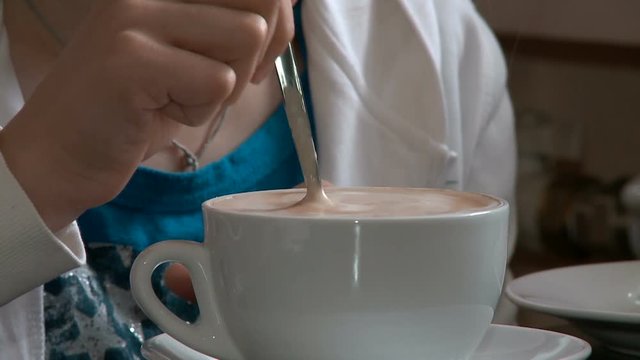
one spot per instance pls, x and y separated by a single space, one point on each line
538 304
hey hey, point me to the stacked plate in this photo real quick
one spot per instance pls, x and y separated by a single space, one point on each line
602 300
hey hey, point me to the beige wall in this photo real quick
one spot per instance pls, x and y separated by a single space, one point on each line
608 21
600 103
593 92
574 68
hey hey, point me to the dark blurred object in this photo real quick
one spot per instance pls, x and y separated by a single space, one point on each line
581 217
631 202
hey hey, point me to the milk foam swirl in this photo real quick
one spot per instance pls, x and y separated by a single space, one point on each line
358 202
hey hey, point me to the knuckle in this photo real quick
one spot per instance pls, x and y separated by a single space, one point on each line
222 83
129 49
227 81
128 67
255 28
128 42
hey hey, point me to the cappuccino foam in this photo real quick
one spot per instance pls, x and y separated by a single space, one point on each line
358 202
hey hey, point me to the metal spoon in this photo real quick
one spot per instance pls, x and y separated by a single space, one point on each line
300 125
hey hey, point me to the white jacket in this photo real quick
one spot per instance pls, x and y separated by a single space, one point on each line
405 93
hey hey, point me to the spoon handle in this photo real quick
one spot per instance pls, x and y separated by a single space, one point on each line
299 121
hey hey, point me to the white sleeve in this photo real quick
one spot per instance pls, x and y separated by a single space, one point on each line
30 254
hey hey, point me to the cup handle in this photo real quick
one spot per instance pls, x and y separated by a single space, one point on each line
207 334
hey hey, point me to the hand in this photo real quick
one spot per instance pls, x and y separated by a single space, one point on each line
135 70
179 282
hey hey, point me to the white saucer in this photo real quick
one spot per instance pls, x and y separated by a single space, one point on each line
603 300
501 342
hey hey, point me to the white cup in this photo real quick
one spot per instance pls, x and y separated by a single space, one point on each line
278 287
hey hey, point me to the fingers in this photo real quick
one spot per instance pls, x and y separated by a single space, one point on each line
184 86
282 35
178 280
134 65
278 15
227 35
218 46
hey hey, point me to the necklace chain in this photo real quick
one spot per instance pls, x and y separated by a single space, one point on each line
191 159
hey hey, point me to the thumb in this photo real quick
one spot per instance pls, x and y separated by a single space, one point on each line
179 282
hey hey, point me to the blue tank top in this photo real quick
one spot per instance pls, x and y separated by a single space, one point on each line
158 205
89 312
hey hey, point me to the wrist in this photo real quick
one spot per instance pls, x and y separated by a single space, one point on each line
49 193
